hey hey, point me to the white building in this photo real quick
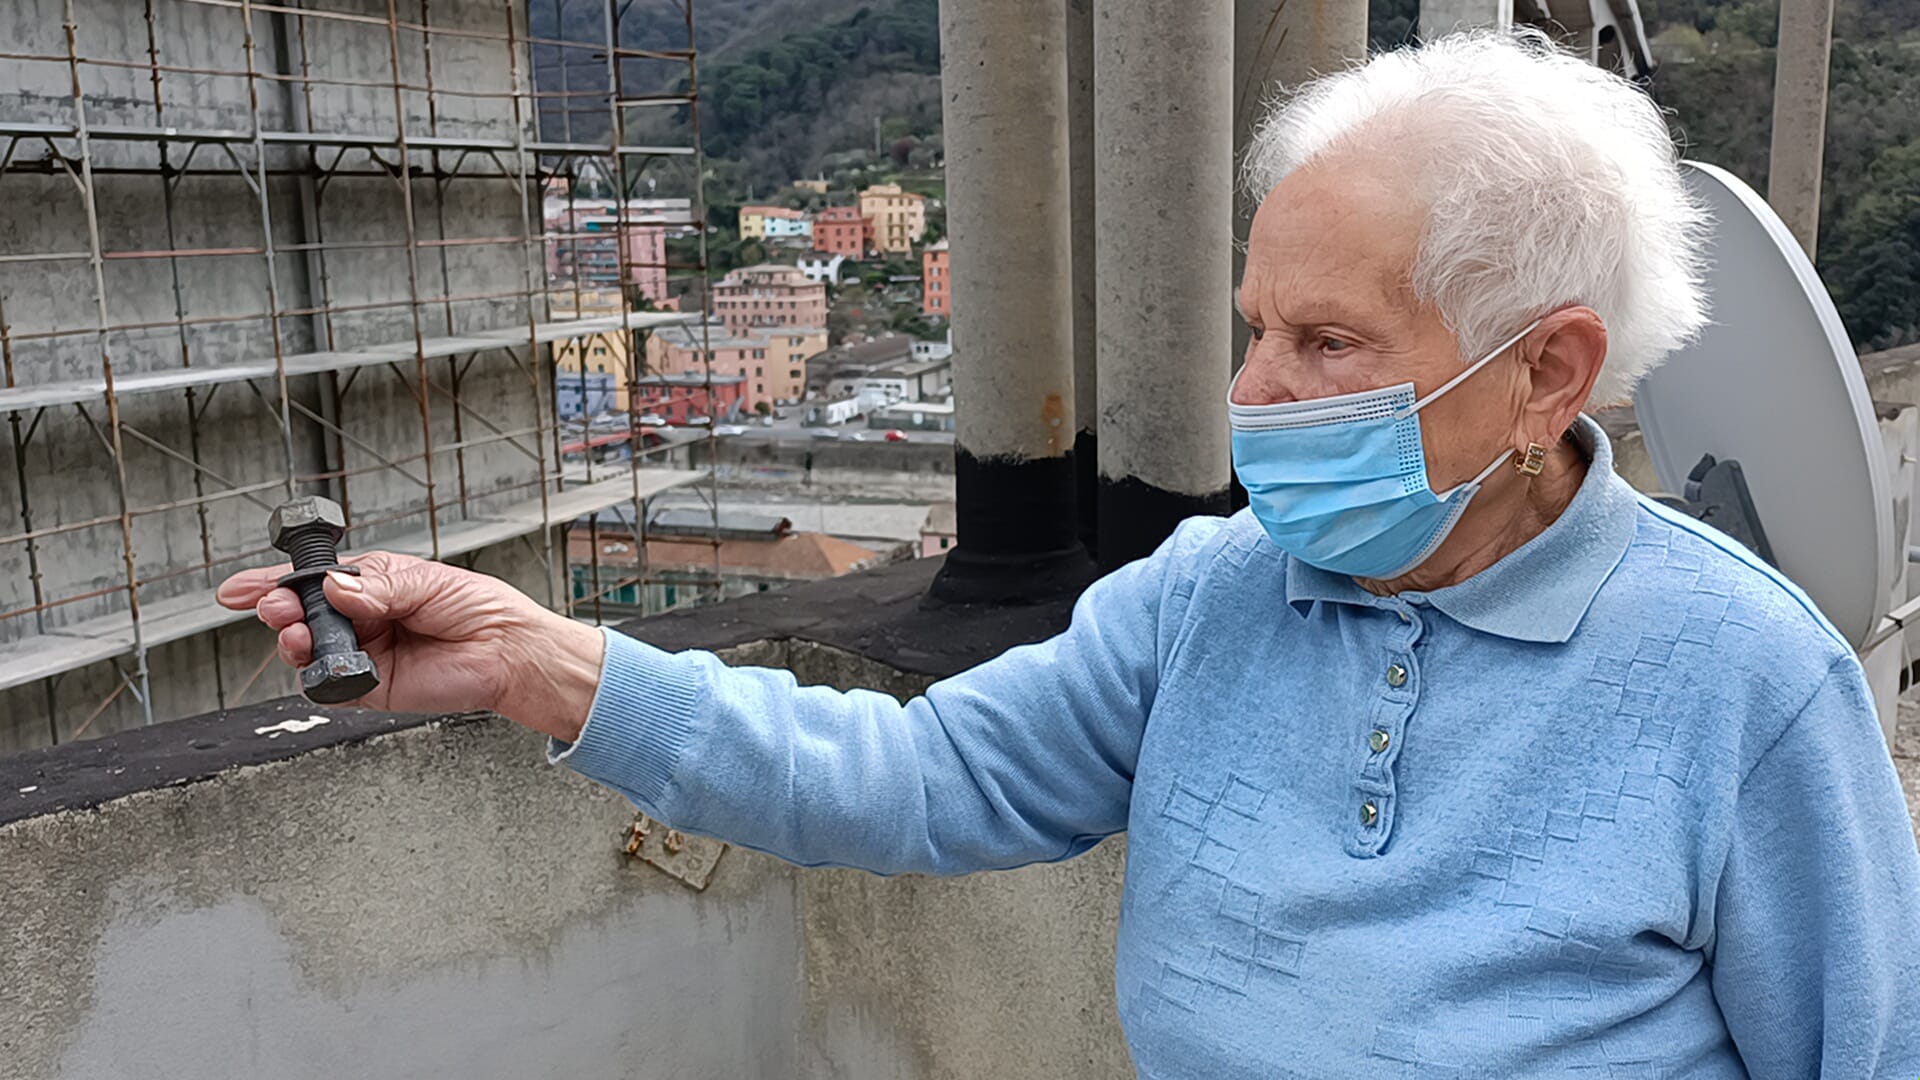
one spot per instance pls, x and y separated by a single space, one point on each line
779 228
934 350
820 268
829 413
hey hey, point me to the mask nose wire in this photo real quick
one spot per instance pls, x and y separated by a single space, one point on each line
1409 410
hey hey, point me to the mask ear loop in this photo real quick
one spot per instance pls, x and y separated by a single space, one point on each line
1463 376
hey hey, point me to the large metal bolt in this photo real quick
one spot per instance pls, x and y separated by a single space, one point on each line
309 531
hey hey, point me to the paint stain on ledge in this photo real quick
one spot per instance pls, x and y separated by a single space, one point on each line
285 727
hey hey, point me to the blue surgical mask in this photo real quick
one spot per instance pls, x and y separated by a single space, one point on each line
1341 482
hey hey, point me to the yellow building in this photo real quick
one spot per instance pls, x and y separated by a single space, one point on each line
772 222
899 217
818 187
599 354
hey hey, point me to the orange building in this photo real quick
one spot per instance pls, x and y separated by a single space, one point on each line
772 361
842 230
935 297
768 295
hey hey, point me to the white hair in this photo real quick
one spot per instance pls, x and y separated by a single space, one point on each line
1547 182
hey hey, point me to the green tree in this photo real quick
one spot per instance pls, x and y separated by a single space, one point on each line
1871 258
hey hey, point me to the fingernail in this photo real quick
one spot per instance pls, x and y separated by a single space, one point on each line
345 582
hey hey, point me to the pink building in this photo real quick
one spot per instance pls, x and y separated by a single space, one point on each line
589 243
757 297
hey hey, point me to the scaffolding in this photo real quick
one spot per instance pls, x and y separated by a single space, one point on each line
430 101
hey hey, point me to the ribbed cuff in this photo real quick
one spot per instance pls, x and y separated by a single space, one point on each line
641 719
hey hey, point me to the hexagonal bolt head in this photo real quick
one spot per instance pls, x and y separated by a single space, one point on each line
341 677
292 518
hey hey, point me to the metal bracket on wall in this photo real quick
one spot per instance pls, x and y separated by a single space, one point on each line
690 859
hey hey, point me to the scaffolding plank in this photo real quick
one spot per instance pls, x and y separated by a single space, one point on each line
94 640
345 140
45 395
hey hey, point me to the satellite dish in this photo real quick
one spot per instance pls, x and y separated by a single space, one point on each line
1773 384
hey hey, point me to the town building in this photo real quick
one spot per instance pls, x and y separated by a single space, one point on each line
935 299
577 394
603 353
851 359
913 416
774 223
940 531
690 396
842 230
592 242
821 268
899 217
818 187
934 350
754 553
880 386
755 297
832 412
772 361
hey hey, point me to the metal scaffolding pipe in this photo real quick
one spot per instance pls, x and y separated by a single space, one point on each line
1163 205
1800 117
1004 72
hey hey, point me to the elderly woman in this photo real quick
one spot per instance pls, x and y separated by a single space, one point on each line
1449 756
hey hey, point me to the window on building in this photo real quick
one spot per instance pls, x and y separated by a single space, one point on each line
759 388
943 543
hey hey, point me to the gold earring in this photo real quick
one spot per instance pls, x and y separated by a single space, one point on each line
1532 460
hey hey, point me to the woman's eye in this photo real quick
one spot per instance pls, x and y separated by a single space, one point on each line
1334 344
1256 331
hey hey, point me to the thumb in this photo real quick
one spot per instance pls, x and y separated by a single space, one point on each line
366 598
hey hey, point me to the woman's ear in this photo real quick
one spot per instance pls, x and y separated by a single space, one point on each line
1563 357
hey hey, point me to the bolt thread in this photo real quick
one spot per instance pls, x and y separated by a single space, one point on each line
313 547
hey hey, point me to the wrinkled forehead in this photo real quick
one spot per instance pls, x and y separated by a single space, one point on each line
1338 231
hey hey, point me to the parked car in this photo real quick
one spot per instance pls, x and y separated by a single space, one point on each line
827 434
895 435
653 420
856 436
730 429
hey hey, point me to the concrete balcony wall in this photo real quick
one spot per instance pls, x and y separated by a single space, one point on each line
391 896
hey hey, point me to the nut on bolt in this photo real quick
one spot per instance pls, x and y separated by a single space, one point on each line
309 531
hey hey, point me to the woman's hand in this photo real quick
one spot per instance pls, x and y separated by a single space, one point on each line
443 639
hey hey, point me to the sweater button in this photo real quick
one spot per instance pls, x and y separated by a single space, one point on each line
1369 814
1396 676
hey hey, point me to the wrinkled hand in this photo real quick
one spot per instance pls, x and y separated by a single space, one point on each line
444 640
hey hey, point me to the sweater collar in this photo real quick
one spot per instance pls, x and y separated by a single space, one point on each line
1540 591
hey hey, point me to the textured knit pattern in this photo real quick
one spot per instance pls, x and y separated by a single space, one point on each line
1616 807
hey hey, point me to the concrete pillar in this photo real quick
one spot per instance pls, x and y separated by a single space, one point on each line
1004 72
1800 116
1277 44
1440 17
1086 402
1163 204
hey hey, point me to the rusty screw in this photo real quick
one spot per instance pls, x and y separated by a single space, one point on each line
309 531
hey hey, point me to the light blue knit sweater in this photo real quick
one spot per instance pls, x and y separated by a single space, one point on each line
1615 807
